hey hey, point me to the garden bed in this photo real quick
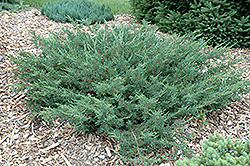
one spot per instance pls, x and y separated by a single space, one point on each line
27 140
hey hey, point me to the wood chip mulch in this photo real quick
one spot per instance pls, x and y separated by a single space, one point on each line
27 140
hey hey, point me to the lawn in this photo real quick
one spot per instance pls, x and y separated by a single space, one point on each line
117 6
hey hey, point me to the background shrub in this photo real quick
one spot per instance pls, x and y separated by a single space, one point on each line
5 6
220 151
147 9
221 21
128 83
11 1
81 11
13 5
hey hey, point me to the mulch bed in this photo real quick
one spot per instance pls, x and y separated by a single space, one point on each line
27 140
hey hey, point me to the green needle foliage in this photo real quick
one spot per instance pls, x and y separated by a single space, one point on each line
220 151
127 82
222 21
81 11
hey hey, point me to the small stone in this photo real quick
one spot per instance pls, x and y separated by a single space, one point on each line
229 122
162 164
1 58
108 151
16 136
56 156
101 156
4 97
88 147
26 135
25 157
90 137
96 159
87 162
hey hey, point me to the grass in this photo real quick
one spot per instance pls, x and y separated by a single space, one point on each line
117 6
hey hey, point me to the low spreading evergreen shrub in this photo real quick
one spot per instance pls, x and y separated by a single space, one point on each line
220 151
128 83
81 11
222 21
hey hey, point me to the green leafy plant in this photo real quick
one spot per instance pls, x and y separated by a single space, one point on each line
22 6
128 83
220 151
81 11
5 12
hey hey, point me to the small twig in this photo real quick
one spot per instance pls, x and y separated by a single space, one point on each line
14 118
73 131
50 147
12 136
19 98
223 125
3 139
32 129
46 160
9 158
2 115
60 125
212 123
65 159
19 122
137 145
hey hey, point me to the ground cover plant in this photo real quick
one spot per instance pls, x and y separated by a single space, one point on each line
116 86
220 151
128 83
81 11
